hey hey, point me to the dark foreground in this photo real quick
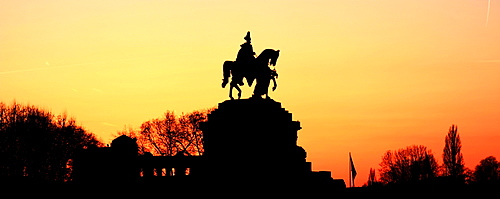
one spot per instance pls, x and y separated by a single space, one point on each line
111 190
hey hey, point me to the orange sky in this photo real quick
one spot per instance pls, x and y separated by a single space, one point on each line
362 76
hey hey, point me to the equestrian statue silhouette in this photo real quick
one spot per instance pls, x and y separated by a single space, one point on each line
251 68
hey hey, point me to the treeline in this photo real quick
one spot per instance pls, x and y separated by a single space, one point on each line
37 145
170 134
418 165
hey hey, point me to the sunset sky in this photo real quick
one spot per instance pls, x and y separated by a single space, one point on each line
362 76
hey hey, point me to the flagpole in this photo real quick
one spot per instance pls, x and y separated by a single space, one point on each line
350 172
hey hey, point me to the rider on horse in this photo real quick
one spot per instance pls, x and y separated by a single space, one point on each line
246 58
246 53
252 68
242 66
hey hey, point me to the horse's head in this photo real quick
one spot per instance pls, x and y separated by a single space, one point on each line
274 57
269 56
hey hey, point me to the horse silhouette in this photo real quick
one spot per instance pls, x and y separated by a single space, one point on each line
257 70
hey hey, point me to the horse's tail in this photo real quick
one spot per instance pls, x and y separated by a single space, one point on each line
226 72
226 68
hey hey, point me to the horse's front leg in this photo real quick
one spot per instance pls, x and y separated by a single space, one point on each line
274 88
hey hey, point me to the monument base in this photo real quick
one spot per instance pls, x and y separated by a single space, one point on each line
255 140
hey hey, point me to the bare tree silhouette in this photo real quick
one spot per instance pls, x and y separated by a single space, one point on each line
487 171
453 162
412 163
169 135
36 145
372 179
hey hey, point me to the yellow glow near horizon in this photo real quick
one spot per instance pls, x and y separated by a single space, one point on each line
361 76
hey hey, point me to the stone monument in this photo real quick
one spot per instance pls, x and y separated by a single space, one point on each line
255 139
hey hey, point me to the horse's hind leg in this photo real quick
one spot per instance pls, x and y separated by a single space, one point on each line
231 92
239 91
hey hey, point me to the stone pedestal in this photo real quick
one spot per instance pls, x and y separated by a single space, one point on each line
253 138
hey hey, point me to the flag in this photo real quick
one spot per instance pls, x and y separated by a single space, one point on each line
353 170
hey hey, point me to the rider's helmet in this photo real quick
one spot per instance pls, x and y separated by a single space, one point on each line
247 37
